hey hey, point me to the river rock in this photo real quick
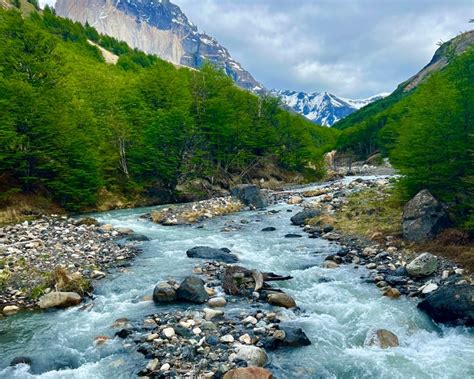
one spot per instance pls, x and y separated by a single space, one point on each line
451 304
329 264
423 217
248 373
288 336
10 310
250 195
21 360
192 290
392 293
204 252
254 356
281 300
428 288
381 338
164 293
295 200
301 217
210 314
59 300
423 265
228 338
217 302
269 229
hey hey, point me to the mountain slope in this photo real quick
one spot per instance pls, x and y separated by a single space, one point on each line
156 27
322 108
443 55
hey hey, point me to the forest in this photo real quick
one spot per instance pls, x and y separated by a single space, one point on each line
72 125
428 134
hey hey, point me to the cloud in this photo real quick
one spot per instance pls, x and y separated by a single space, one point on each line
353 48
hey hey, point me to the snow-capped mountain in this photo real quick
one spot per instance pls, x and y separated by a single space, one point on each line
156 27
323 108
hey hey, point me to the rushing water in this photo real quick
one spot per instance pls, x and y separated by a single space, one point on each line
339 309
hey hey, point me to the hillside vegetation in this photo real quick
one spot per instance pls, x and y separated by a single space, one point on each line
72 126
428 134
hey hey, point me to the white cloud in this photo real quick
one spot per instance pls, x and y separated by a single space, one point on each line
352 48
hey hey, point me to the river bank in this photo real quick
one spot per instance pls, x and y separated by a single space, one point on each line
57 254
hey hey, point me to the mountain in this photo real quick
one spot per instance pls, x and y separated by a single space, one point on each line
441 59
323 108
156 27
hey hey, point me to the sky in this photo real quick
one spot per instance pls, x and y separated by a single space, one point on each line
352 48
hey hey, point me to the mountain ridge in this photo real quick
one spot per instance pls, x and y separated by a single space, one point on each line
322 108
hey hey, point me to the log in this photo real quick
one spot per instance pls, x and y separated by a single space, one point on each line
258 277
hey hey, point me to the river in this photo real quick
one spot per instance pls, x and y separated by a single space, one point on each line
339 308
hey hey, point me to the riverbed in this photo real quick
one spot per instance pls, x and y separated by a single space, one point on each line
338 309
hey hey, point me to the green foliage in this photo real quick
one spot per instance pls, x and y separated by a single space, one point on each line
428 135
72 125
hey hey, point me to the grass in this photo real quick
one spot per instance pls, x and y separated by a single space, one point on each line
375 214
369 213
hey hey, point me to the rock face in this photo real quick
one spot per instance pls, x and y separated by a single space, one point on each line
451 304
59 300
253 355
423 265
250 195
381 338
248 373
204 252
301 217
156 27
164 293
192 290
423 217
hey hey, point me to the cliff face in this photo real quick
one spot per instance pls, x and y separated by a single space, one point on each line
156 27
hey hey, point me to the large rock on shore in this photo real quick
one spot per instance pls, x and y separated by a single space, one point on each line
204 252
423 265
250 195
248 373
59 300
301 217
164 293
423 217
451 304
192 290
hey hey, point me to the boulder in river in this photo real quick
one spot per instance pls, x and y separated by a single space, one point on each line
423 217
254 356
248 373
21 360
281 300
192 290
59 300
423 265
287 336
249 195
204 252
301 217
451 303
164 293
381 338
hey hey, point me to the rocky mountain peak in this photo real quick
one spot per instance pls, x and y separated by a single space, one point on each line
157 27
